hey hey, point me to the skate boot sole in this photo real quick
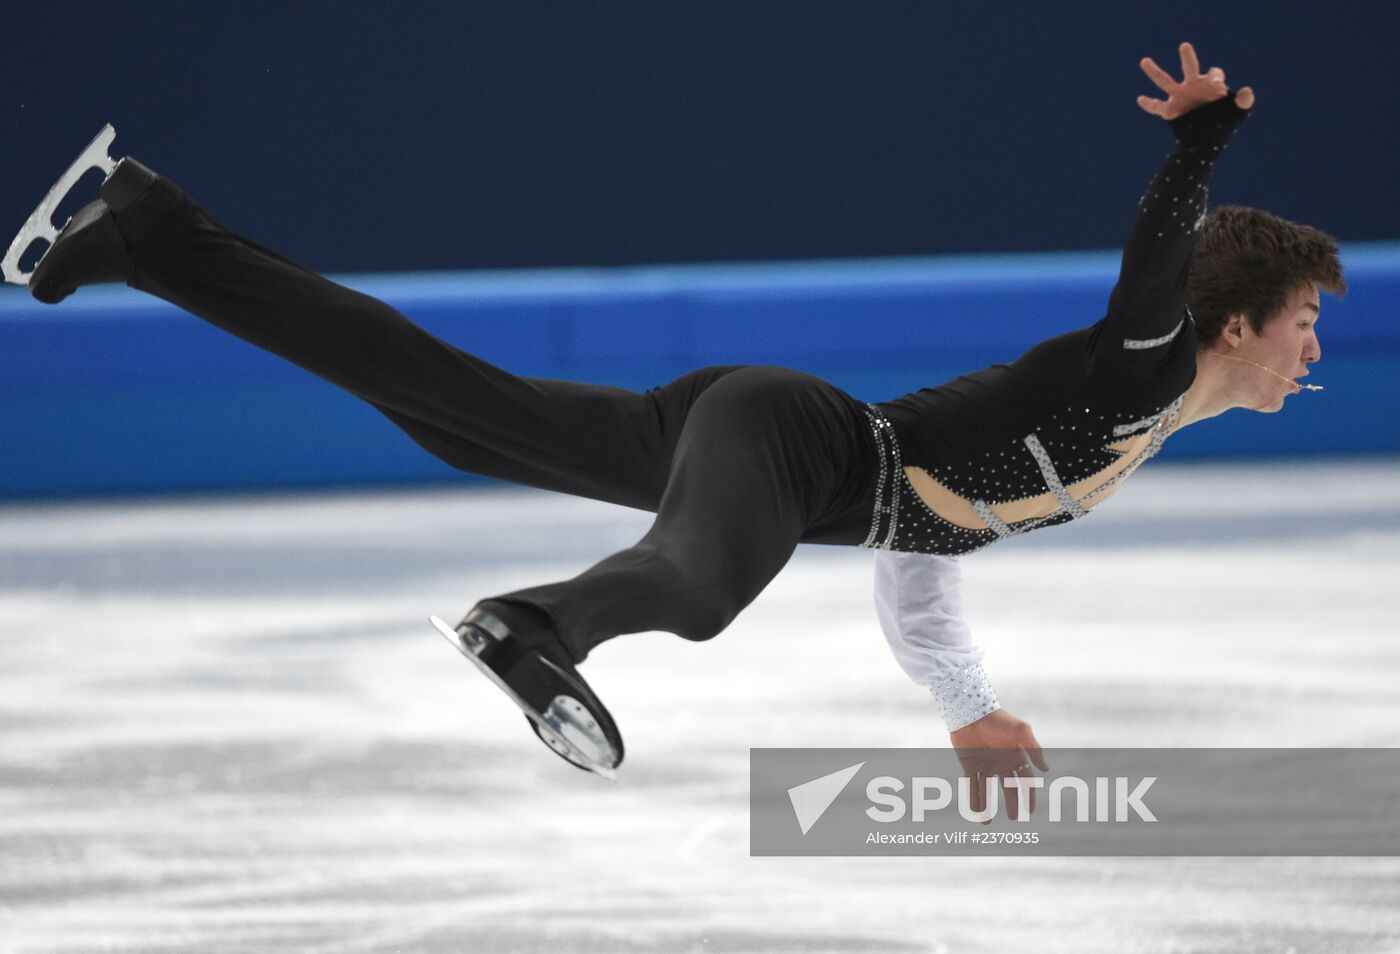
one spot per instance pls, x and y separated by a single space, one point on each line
565 724
88 251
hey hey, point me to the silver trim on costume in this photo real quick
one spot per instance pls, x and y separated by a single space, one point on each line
1165 422
1052 480
1142 344
887 448
1001 528
1119 430
993 522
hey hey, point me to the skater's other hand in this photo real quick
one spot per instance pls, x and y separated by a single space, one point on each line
1195 89
1001 745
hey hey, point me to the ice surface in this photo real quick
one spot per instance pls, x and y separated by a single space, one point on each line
225 725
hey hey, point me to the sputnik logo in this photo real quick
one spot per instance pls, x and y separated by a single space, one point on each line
810 800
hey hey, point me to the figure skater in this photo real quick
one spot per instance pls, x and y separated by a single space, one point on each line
740 464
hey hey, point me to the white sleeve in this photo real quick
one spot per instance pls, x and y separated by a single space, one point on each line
918 599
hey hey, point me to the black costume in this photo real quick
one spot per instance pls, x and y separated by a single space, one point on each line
1044 421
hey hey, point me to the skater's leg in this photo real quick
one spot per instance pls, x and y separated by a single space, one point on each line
591 441
766 454
607 443
582 439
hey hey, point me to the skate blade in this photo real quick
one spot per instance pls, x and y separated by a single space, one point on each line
40 223
565 726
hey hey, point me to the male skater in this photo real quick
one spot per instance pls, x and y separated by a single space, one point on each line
740 464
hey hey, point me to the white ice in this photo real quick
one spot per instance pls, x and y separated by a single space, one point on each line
225 725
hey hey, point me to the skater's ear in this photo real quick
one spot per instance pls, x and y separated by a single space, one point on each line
1232 331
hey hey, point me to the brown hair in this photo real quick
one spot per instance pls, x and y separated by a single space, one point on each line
1248 262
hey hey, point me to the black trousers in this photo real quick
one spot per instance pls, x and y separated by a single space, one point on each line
738 463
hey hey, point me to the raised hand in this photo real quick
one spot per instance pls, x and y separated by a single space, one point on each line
1195 89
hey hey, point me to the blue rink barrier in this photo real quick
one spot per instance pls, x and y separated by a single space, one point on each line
115 392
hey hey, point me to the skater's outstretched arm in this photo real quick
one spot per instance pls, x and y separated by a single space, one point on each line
1141 333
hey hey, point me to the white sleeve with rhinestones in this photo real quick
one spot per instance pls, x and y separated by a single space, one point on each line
918 599
964 697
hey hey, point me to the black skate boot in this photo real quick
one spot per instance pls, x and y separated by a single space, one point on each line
535 670
93 247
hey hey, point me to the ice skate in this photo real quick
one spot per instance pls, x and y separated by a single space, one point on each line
39 226
90 248
543 682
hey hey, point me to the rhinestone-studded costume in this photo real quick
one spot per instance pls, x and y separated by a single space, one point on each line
1045 421
1040 424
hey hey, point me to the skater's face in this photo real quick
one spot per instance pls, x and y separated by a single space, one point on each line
1286 345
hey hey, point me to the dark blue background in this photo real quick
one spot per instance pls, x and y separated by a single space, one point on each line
373 136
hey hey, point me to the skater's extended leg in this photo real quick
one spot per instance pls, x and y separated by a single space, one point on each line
601 442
